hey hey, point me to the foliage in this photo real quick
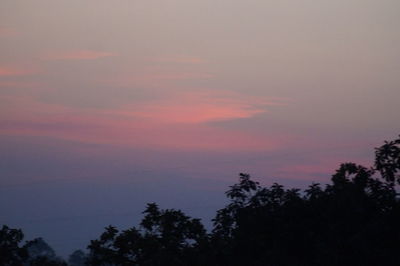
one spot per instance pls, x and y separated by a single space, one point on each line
77 258
352 221
39 248
388 160
34 253
40 253
10 252
164 235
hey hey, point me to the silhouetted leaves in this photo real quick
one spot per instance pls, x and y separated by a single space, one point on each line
10 252
352 221
164 235
34 253
77 258
388 160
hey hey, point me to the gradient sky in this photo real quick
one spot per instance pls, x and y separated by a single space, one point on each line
107 105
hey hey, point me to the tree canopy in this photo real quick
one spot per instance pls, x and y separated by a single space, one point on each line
351 221
354 220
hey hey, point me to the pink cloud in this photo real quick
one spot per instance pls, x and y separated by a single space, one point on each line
18 84
7 32
199 107
16 87
15 71
26 116
137 134
79 55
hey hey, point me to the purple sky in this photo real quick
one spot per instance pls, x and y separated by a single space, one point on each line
107 105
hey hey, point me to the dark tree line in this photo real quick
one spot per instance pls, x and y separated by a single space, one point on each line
354 220
35 252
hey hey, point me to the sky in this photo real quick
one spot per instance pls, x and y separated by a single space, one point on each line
108 105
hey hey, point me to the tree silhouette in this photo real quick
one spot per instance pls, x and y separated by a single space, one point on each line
354 220
164 236
77 258
34 253
40 253
10 252
388 160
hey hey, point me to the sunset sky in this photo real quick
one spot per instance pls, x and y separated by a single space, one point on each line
107 105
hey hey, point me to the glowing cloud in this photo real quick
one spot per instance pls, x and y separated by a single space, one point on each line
177 124
13 71
200 107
